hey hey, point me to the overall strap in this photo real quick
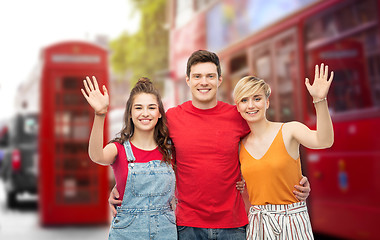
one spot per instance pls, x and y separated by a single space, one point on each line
128 151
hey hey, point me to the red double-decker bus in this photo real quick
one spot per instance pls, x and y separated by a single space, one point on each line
281 41
72 189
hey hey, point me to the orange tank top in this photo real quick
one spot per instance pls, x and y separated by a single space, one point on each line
271 179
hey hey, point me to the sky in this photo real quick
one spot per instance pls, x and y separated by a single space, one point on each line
26 26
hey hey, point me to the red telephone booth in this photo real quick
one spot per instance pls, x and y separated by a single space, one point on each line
72 189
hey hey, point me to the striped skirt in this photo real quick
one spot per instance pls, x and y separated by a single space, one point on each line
279 222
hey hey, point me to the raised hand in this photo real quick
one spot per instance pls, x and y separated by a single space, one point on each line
98 101
321 85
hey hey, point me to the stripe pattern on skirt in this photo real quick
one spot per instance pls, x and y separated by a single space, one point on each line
279 222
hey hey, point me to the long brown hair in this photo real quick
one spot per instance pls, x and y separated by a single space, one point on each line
161 132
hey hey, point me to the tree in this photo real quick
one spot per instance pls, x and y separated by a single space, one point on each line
145 52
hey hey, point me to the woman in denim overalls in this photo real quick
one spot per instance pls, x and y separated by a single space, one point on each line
141 160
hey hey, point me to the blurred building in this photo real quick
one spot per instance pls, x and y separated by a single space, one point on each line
281 41
28 93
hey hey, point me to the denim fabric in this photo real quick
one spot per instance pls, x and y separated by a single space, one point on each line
145 212
192 233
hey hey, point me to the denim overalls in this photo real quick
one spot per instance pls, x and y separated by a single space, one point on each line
145 212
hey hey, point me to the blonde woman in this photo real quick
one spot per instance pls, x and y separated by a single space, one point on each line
270 160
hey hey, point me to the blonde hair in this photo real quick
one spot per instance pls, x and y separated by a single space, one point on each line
248 86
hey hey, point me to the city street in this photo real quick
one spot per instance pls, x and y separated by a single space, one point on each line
23 224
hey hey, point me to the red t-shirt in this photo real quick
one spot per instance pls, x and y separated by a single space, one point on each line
120 165
206 144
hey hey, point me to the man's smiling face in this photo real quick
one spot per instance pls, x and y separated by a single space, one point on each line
204 82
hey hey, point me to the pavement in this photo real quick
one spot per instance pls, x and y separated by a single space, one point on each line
23 224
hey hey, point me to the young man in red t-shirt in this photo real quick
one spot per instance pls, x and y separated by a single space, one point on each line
206 135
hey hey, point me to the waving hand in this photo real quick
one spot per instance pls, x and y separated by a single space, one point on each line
323 137
321 85
98 101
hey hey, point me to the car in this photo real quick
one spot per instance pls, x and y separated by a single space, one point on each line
19 170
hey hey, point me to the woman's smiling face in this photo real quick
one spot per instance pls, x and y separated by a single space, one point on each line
145 112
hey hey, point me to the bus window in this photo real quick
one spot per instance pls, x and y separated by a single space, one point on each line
238 70
275 61
262 68
374 75
352 52
287 74
332 23
345 93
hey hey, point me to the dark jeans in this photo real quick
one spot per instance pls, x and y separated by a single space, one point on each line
192 233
